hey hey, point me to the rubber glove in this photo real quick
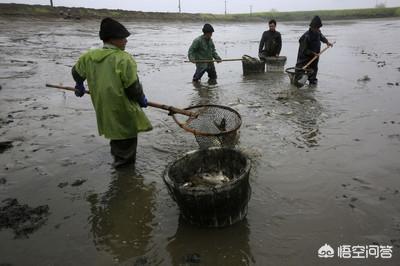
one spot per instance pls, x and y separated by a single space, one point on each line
79 89
143 101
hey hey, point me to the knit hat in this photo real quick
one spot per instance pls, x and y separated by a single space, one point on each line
207 28
112 29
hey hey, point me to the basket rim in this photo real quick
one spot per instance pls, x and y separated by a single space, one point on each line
205 134
276 58
205 191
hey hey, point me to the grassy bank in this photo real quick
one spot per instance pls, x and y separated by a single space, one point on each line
330 14
42 11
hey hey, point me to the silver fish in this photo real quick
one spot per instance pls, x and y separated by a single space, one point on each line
207 180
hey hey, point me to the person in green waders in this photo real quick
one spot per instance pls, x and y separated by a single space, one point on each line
115 90
203 48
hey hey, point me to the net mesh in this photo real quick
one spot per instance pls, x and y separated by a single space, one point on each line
295 74
214 125
276 60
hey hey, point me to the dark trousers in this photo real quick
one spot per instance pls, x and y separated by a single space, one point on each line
312 78
124 151
201 69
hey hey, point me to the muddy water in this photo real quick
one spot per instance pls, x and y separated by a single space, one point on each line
325 160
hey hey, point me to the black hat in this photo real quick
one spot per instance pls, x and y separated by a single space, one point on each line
207 28
112 29
316 22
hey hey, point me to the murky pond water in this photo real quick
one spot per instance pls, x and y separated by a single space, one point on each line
325 159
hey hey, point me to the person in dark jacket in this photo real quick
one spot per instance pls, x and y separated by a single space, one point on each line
309 46
271 42
203 49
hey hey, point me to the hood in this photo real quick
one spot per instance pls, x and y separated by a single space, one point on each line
316 22
99 55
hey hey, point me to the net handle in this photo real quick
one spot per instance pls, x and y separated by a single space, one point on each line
205 134
317 55
64 88
171 109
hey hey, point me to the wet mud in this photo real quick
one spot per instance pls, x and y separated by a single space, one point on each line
5 145
78 182
21 218
325 165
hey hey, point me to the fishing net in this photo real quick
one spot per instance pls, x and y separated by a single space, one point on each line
212 125
297 75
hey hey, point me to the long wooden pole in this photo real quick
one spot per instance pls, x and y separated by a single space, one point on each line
213 61
171 109
316 56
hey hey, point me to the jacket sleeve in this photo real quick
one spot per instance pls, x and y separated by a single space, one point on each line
135 91
128 71
192 50
323 38
130 80
262 42
78 78
214 52
79 69
279 43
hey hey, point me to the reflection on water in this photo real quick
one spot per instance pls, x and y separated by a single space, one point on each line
204 94
226 246
121 217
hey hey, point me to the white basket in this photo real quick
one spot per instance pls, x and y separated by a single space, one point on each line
275 63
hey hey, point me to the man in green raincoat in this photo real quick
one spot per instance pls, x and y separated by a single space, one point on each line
203 48
115 90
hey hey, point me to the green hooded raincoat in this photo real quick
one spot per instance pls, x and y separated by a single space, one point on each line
108 71
202 49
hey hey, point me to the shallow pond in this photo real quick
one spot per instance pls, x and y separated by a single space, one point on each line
325 159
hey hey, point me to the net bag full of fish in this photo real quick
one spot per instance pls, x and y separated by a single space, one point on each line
252 65
275 63
211 186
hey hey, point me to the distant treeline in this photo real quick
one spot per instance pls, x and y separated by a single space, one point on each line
42 11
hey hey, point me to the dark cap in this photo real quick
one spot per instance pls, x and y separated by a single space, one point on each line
112 29
207 28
